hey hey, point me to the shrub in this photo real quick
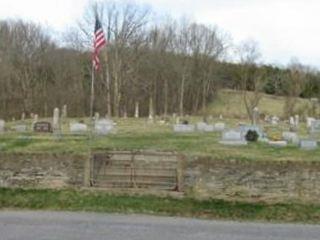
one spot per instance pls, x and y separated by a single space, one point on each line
252 136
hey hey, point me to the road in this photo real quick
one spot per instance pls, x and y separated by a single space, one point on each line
93 226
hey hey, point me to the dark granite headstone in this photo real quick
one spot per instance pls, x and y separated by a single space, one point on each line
44 127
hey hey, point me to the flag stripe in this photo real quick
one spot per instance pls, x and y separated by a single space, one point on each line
98 43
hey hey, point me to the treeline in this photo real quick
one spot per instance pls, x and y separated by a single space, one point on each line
157 67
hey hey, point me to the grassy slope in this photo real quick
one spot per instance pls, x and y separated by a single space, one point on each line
72 200
229 103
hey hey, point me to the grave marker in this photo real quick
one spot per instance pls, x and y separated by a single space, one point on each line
315 127
56 122
183 128
291 137
308 144
2 125
104 126
20 128
233 137
78 128
42 127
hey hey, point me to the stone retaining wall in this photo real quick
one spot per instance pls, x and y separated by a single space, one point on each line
42 170
252 181
199 177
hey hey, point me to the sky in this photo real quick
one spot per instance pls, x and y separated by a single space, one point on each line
283 28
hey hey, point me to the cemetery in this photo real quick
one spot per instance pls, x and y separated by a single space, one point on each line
222 138
270 158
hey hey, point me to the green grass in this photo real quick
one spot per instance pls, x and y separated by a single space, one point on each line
73 200
133 134
230 104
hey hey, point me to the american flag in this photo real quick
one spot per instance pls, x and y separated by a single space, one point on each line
98 43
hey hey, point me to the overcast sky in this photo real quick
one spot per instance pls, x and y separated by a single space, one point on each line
283 28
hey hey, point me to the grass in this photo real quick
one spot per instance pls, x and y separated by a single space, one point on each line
229 103
133 134
74 200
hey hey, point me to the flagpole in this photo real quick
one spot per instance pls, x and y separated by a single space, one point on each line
92 93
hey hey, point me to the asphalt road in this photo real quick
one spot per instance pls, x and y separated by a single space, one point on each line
91 226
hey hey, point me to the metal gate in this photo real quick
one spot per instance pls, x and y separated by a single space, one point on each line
126 169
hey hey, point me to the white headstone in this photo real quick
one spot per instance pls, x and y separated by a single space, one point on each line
291 137
104 126
219 127
315 127
308 144
183 128
35 119
20 128
255 114
291 121
23 116
204 127
64 113
136 110
55 122
278 143
96 116
310 120
78 128
296 120
2 125
233 137
275 120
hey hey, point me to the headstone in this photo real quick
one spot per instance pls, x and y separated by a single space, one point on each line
96 117
291 137
255 115
104 126
296 121
136 110
233 137
34 120
275 120
204 127
23 116
2 125
20 128
267 119
183 128
308 144
310 120
43 127
56 122
278 143
315 127
64 113
219 127
291 121
78 128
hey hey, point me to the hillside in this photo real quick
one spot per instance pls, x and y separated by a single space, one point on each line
229 103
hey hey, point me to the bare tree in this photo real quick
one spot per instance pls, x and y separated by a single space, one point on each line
252 78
